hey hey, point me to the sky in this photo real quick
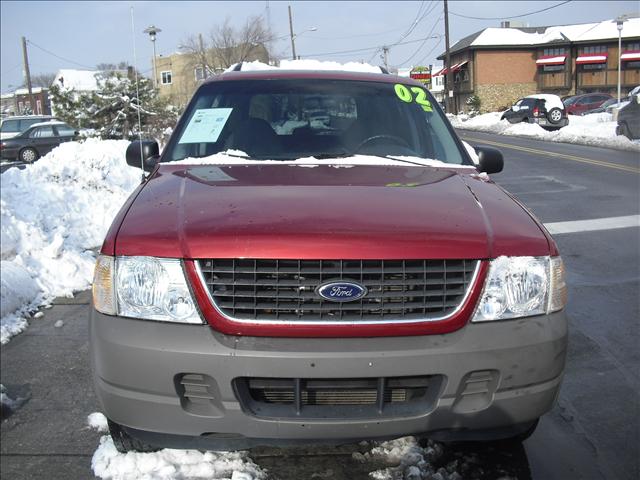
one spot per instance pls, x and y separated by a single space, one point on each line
81 34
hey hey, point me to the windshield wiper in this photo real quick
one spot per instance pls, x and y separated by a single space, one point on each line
394 158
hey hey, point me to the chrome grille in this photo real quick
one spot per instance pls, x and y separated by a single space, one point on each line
284 290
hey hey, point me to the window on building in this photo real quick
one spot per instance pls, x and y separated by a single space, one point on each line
552 68
632 46
38 107
631 65
547 52
199 73
165 77
590 67
593 49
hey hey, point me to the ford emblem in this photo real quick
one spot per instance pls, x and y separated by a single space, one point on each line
341 291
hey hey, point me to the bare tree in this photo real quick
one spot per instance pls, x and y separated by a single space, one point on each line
43 80
227 45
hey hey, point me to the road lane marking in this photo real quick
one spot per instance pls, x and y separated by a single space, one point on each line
565 156
609 223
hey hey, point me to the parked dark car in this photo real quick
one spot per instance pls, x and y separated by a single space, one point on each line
245 301
36 141
629 119
546 110
581 103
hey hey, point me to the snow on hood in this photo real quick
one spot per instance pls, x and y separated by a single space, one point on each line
52 214
236 157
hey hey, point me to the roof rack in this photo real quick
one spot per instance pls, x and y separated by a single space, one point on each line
237 67
384 70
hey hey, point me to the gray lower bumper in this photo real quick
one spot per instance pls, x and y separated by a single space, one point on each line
136 362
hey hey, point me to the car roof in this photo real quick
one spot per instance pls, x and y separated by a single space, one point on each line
27 117
278 74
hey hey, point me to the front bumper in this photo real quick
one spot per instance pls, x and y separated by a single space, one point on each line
136 363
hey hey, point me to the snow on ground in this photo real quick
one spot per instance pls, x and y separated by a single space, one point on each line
168 464
598 130
53 213
98 422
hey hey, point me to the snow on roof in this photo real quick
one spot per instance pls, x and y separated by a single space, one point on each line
605 30
552 101
308 64
25 91
79 80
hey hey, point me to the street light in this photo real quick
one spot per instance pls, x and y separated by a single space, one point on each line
153 31
619 22
294 35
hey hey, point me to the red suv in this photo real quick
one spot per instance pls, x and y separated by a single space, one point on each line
582 103
315 257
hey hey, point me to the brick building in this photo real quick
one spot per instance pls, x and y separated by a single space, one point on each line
179 74
500 65
19 102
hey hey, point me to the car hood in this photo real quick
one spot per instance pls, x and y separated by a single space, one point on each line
324 212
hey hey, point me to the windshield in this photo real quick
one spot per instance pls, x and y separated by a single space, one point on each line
296 118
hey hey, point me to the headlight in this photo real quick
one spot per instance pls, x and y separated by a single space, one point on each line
144 287
522 287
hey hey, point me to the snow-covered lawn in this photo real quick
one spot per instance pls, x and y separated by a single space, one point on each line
53 213
597 129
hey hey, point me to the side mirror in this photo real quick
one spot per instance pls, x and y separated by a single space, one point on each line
147 150
489 160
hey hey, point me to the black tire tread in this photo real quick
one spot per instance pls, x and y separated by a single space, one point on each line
126 443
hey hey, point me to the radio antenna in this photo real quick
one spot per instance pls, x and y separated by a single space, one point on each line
135 72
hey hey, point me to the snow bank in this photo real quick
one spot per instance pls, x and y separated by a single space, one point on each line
19 293
598 130
52 213
167 464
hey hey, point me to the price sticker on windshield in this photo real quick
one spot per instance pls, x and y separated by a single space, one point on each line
413 94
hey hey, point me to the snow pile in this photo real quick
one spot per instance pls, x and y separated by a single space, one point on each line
597 130
19 293
308 64
52 213
167 464
8 404
98 422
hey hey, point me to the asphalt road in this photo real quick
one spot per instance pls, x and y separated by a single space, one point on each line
593 433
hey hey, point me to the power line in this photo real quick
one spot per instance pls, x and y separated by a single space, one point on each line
425 41
58 56
367 49
513 16
430 51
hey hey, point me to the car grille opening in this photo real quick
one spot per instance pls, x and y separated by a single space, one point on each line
285 290
336 398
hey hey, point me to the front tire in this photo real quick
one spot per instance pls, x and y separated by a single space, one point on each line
28 155
126 443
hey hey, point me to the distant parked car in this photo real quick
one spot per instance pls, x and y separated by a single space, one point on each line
589 101
544 109
37 141
629 119
602 108
13 126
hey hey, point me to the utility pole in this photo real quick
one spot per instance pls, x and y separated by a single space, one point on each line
447 86
204 55
27 75
293 43
385 54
